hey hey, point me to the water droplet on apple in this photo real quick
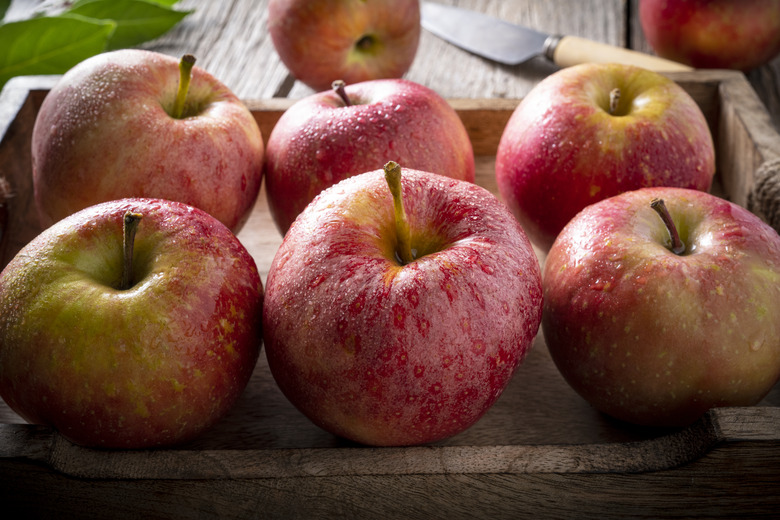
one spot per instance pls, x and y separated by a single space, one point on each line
398 108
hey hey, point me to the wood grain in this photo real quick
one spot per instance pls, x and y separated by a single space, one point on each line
230 40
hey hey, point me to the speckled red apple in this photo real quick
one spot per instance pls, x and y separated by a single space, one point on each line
129 358
327 137
321 41
110 129
592 131
713 34
384 351
658 337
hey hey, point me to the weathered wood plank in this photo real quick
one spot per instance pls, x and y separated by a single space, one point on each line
730 482
230 40
719 429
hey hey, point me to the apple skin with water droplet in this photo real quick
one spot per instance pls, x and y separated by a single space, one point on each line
105 132
656 338
320 141
713 34
386 353
321 41
155 364
563 148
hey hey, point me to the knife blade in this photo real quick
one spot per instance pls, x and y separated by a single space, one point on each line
511 44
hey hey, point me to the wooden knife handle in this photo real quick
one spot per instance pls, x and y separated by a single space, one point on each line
573 50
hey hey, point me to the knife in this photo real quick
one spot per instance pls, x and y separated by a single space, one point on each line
512 44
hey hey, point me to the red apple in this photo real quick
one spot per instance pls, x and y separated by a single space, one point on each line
327 137
399 319
136 354
110 129
655 335
714 34
592 131
321 41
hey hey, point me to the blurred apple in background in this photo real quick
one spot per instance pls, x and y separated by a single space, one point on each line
657 337
345 131
109 130
588 132
137 356
713 34
321 41
399 319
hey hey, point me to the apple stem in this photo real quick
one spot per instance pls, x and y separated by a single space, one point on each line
678 247
185 74
393 178
339 86
129 227
614 101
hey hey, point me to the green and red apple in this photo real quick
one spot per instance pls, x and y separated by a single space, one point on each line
133 123
321 41
662 303
713 34
398 309
128 333
592 131
348 130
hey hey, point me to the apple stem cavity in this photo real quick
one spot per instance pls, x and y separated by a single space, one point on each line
365 43
129 227
185 74
614 101
403 235
339 86
678 247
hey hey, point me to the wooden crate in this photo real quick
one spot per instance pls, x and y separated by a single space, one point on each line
541 451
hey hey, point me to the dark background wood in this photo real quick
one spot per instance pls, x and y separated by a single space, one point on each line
230 39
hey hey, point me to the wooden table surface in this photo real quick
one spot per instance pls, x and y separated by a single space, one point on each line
230 39
279 465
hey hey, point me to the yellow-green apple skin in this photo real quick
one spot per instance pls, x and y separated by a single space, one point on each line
655 338
321 41
562 149
713 34
105 132
385 353
152 365
320 141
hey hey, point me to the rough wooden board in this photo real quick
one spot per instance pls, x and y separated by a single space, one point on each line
231 40
727 483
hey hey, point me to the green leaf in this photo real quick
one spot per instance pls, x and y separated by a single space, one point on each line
50 45
167 3
137 21
4 5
